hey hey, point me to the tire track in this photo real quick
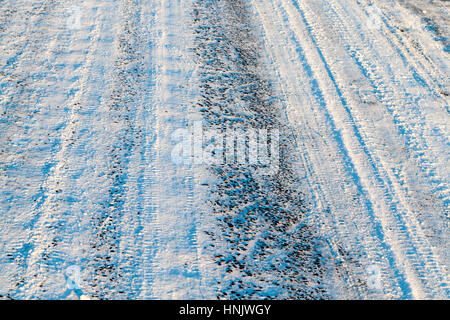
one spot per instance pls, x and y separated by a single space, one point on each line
422 146
60 235
308 23
172 267
337 192
125 99
404 228
41 119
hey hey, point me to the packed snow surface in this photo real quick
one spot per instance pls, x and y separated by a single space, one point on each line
95 96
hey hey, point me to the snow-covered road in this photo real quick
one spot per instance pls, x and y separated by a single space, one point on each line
95 95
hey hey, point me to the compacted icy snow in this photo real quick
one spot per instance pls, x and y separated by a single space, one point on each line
99 198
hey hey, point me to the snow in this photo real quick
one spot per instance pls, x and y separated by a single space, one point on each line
93 206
